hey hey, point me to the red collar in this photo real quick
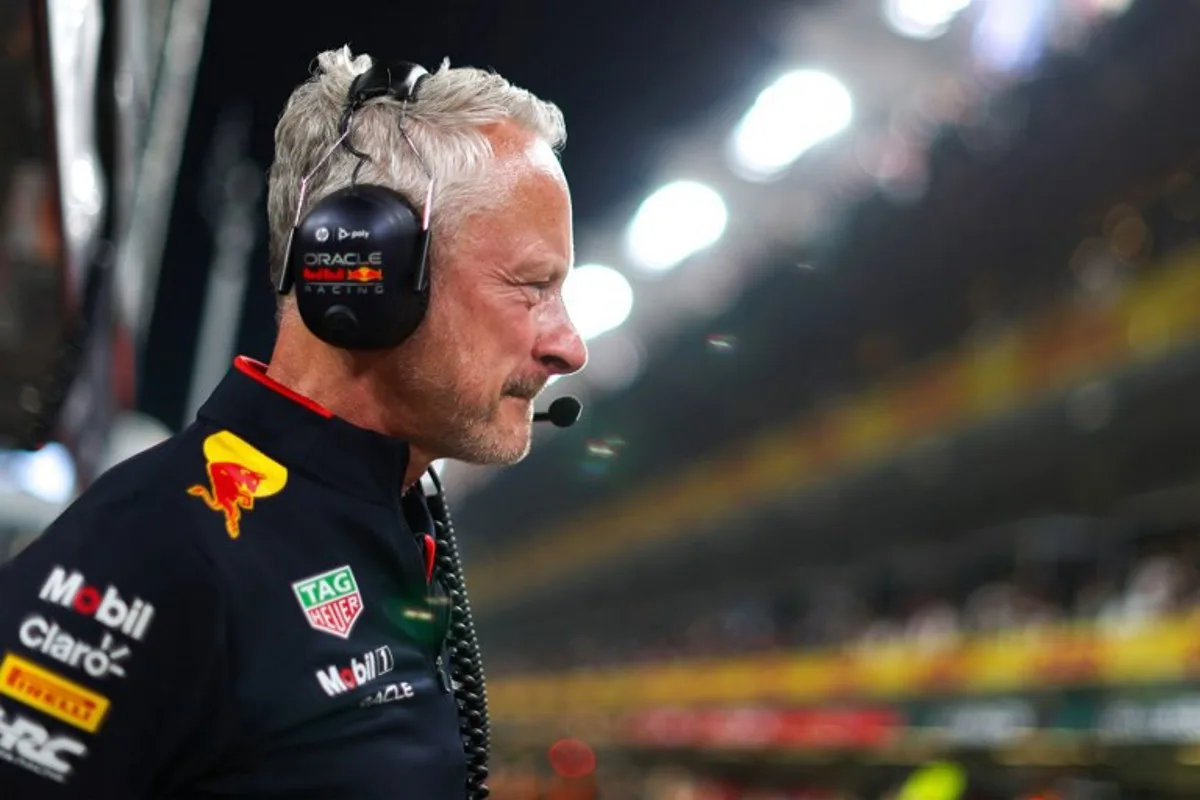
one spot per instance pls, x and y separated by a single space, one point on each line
258 371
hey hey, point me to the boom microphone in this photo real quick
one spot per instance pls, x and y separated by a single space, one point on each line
563 412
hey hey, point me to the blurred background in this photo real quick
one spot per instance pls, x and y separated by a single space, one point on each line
886 485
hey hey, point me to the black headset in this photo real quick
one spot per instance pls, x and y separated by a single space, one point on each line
358 260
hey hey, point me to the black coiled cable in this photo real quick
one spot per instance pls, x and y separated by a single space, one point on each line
462 644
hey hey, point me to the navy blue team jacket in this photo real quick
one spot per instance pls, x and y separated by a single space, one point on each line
243 611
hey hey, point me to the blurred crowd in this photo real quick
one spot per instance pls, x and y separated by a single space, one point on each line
1149 577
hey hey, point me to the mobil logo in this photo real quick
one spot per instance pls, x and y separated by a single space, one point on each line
337 680
107 606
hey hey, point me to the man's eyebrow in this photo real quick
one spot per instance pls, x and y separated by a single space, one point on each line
542 265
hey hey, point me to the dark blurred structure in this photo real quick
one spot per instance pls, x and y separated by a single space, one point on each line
39 301
97 93
78 147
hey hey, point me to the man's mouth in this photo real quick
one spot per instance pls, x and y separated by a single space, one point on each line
526 393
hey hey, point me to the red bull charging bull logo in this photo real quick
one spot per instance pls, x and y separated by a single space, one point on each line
237 475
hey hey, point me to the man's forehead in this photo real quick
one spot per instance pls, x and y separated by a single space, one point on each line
516 148
542 156
528 220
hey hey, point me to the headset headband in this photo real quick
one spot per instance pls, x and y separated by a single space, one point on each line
400 80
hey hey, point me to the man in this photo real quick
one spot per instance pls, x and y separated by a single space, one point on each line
252 609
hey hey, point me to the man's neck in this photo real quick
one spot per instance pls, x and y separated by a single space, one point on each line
318 377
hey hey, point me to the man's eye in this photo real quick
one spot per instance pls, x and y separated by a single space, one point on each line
539 288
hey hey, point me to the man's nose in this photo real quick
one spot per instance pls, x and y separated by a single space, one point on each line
562 350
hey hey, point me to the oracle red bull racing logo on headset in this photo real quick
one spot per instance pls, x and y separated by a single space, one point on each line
237 476
343 273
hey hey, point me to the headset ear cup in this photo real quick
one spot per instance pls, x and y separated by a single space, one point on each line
357 263
340 324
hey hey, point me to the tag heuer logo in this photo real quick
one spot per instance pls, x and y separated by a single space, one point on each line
331 600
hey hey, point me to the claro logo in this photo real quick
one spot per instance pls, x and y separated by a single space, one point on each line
130 617
46 637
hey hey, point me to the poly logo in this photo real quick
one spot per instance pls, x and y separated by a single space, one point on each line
43 636
331 601
237 474
359 234
109 609
50 693
374 663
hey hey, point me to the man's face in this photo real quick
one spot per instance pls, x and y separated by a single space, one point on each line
497 329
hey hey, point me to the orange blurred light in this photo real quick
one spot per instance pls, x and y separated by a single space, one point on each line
572 758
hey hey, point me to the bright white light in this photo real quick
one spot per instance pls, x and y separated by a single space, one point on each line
1011 35
922 19
791 115
675 222
48 474
1113 8
1116 7
84 185
598 299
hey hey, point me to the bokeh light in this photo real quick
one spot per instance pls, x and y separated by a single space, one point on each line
799 110
676 222
598 298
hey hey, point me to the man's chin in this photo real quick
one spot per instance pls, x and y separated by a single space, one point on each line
500 455
513 444
505 442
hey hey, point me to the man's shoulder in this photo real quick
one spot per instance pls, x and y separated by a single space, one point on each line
149 481
144 501
200 485
134 528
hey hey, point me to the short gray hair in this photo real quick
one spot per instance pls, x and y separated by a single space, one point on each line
444 123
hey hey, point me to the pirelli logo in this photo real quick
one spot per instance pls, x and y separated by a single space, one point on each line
51 694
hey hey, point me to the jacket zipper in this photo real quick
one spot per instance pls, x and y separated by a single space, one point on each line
438 662
444 680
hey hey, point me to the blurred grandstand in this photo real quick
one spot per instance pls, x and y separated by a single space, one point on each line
886 485
99 95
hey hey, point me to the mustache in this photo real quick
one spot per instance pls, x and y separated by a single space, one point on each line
524 388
